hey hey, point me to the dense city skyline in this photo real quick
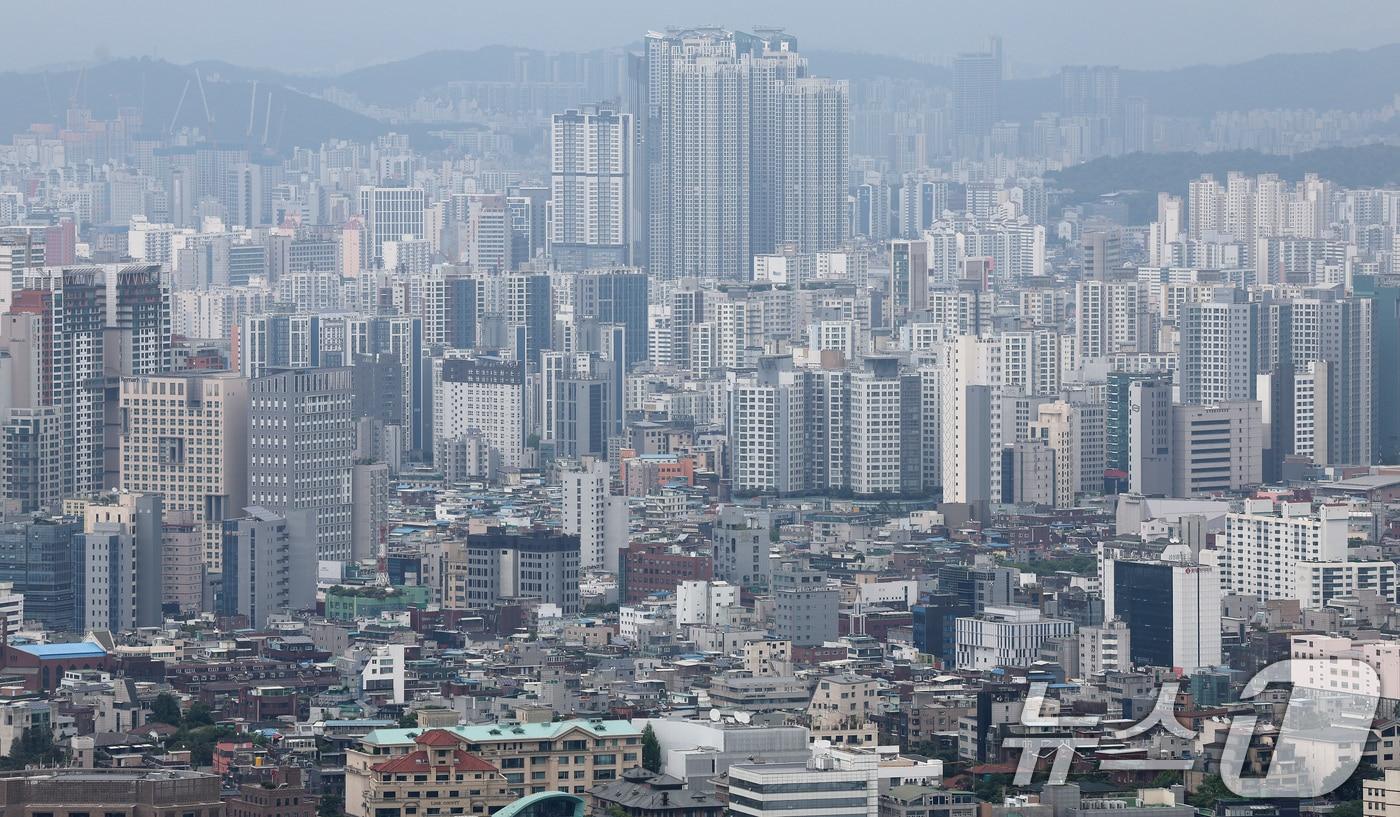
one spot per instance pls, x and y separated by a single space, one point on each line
719 422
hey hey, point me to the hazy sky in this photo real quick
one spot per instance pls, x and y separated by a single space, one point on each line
330 35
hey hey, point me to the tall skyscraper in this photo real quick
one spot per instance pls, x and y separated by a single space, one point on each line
581 406
768 418
1110 316
1075 433
1385 345
1319 351
977 91
185 438
970 419
885 433
462 306
744 150
55 331
301 443
813 156
591 222
1218 351
395 340
490 242
1337 332
908 292
1091 90
698 154
528 309
138 319
1149 435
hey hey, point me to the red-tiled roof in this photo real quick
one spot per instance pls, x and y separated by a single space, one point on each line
414 762
437 737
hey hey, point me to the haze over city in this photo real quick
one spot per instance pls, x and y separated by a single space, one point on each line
669 409
325 36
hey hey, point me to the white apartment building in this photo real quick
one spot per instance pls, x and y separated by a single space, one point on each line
704 603
1075 433
1005 637
841 336
1381 656
11 605
961 311
1217 349
1265 544
875 434
592 513
409 257
1111 317
768 433
1320 582
482 395
1015 245
390 213
213 313
784 268
1381 798
149 242
970 420
1105 648
591 206
1031 362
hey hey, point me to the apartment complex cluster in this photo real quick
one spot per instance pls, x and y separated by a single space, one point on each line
686 452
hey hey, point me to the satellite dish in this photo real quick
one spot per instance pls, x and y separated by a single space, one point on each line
743 717
714 715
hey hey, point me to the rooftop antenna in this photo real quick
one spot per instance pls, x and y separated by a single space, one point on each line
208 117
77 86
252 109
178 106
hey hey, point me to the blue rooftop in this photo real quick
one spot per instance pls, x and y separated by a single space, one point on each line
77 649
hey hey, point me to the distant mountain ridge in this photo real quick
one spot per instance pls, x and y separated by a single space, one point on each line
1137 177
1346 80
169 96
